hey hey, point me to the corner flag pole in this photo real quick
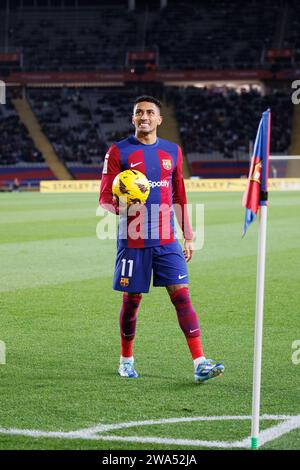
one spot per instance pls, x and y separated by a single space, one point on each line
260 286
256 197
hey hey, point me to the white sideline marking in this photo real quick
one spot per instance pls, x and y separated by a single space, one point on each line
131 424
279 430
288 424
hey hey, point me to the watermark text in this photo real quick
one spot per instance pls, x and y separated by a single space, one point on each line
154 222
296 93
2 92
296 353
2 352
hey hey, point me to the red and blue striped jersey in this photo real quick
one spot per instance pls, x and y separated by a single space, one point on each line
161 162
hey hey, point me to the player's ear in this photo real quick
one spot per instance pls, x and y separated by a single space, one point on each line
160 120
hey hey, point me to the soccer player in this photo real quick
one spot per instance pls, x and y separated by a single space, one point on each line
153 245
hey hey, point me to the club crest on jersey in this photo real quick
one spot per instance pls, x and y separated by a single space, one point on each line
124 282
167 164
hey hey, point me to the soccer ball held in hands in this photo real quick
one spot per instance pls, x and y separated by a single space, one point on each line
131 187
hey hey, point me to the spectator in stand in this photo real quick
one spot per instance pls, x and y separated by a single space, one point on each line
16 185
225 121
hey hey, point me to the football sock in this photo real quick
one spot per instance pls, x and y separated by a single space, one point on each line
188 321
126 359
195 347
128 316
126 347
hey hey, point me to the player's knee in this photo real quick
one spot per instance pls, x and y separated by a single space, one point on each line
130 305
175 287
130 295
128 313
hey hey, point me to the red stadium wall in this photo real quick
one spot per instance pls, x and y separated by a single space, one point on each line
85 172
26 175
219 169
30 78
34 174
205 169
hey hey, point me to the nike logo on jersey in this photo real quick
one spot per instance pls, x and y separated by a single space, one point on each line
181 277
132 165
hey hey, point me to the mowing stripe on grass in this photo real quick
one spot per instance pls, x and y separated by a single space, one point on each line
52 262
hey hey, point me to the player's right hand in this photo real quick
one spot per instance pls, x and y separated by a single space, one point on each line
188 250
120 205
123 208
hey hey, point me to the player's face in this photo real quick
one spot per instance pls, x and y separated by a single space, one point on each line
146 117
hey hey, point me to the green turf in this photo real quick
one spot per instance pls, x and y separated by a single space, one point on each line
59 321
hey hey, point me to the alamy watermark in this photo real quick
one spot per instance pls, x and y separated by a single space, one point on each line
154 222
296 94
296 353
2 92
2 353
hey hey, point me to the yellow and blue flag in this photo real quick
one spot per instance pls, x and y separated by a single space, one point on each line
256 193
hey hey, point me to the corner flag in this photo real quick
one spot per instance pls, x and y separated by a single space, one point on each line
256 193
255 197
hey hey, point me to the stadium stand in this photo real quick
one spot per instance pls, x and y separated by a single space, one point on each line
97 38
19 157
221 122
216 123
290 40
229 36
81 123
71 38
15 144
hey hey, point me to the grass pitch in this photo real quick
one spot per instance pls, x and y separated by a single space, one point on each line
59 321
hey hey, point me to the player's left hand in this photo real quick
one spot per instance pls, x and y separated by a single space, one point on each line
188 250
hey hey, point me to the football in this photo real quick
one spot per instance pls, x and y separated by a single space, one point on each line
132 185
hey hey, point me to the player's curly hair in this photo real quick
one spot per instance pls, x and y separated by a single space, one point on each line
149 99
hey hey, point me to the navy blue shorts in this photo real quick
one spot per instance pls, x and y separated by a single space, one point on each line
134 267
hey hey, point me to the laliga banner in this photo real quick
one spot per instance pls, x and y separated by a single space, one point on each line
191 185
238 184
70 186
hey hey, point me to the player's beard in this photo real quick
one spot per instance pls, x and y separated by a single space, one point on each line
144 132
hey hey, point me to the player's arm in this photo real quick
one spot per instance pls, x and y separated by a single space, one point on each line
180 206
111 168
